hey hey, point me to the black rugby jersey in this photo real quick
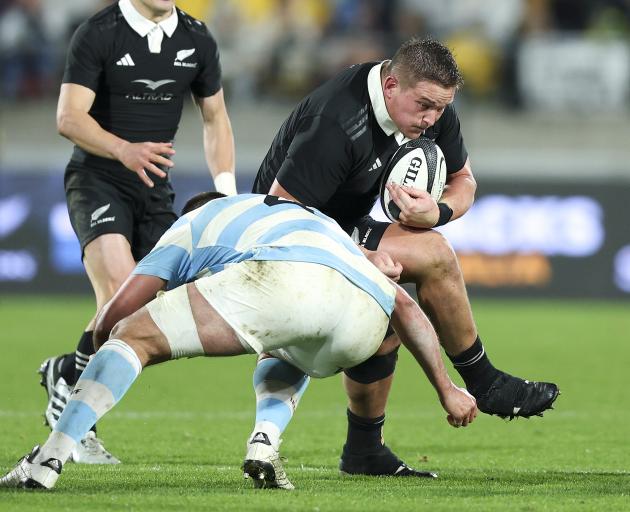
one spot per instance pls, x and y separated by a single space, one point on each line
330 152
139 94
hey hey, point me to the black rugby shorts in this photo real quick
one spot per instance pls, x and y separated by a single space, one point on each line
365 231
99 202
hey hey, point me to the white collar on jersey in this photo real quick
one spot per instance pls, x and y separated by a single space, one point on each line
144 26
375 90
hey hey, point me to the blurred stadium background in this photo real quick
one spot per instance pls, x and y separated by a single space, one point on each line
545 115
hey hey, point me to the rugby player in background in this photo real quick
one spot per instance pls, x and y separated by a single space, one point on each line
129 69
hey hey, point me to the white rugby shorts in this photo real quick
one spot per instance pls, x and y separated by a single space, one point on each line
307 314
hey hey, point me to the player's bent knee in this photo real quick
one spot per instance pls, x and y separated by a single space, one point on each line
374 369
118 331
438 255
124 331
141 334
438 246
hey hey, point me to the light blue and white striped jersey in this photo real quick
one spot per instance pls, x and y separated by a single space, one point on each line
257 227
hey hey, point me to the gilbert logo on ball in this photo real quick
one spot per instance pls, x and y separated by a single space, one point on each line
418 164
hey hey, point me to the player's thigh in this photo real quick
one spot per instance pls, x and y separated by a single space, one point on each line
360 331
99 203
101 210
216 336
108 261
308 314
360 325
268 303
191 326
419 251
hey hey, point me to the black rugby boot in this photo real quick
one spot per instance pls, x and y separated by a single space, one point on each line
382 462
511 397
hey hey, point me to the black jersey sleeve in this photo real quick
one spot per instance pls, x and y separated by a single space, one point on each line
318 161
451 141
84 63
208 81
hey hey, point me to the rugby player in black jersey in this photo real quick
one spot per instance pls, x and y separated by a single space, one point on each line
330 153
129 69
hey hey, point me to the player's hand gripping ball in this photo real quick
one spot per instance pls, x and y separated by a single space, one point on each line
419 164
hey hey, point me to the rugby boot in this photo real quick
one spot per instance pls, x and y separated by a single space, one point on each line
382 462
31 475
263 465
57 390
510 397
92 451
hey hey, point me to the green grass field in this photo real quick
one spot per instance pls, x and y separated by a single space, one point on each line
181 430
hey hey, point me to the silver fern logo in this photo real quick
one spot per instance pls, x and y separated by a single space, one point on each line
96 216
182 55
99 211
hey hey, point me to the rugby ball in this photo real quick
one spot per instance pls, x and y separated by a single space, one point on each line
418 163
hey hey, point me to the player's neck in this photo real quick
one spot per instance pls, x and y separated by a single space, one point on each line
151 14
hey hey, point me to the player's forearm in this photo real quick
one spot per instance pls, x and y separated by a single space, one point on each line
459 193
85 132
219 152
218 142
417 334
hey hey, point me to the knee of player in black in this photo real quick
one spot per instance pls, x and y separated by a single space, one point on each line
374 369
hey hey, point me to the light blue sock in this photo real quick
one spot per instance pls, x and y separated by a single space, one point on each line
105 380
279 387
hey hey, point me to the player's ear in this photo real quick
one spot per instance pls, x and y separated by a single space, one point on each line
390 84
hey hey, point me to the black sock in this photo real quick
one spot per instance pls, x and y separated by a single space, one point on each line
364 434
475 368
85 349
65 367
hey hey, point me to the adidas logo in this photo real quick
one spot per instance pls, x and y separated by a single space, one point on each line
54 464
402 467
260 437
376 165
126 60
